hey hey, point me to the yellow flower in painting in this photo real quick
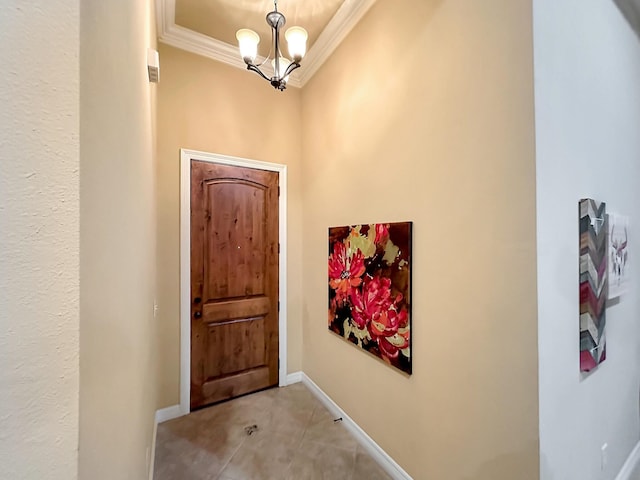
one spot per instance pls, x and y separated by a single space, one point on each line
357 241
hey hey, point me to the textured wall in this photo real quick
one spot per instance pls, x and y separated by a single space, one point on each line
587 63
118 358
39 214
205 105
425 113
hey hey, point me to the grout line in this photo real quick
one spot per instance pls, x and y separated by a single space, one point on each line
306 427
355 460
288 469
316 442
230 458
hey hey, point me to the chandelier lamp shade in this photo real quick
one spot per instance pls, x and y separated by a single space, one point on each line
296 37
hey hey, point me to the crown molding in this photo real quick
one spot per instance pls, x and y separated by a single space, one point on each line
200 44
347 16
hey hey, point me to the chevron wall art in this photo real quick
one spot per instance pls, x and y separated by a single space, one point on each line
593 283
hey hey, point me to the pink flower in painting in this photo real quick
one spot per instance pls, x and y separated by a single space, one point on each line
374 298
382 233
345 271
373 307
390 331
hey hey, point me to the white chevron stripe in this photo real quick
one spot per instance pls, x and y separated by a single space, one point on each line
587 323
598 221
590 208
587 265
601 345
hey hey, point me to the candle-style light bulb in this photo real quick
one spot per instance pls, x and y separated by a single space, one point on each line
297 40
283 64
248 42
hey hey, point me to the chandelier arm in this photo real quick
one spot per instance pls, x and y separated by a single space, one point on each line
264 61
292 66
254 68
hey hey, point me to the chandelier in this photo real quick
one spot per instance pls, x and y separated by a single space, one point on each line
282 67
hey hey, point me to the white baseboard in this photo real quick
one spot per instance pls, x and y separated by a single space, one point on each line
169 413
632 461
295 377
387 463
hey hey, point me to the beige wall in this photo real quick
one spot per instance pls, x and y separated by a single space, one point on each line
39 217
117 241
425 113
205 105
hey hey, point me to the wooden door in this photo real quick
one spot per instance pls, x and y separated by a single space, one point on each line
234 281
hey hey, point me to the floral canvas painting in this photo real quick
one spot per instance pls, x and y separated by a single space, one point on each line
370 289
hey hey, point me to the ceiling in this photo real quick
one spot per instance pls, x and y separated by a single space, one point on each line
208 27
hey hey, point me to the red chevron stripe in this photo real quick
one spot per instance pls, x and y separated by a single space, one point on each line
587 362
589 301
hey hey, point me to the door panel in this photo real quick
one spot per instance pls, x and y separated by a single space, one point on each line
237 247
234 281
229 309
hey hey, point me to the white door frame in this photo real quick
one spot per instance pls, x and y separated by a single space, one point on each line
185 262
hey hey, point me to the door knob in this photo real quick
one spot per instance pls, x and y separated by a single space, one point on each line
197 315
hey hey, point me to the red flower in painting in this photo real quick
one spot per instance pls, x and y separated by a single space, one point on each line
390 331
345 270
374 308
382 233
374 298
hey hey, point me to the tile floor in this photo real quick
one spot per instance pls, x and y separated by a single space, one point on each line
296 439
